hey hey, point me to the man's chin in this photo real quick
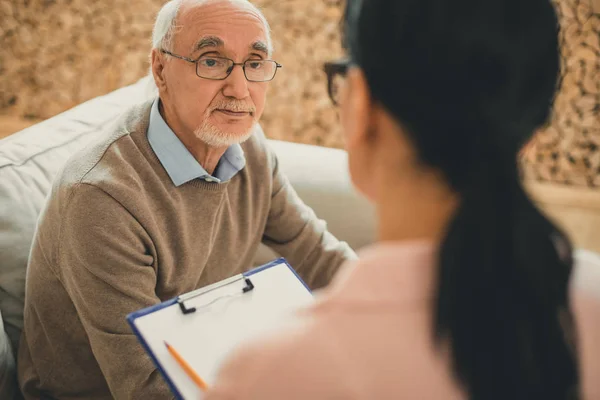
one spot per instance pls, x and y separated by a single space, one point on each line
216 137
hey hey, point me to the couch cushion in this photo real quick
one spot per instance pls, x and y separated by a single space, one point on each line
320 177
29 160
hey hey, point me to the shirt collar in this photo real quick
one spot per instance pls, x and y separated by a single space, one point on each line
180 164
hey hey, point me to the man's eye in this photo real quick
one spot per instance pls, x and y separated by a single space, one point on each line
210 62
255 64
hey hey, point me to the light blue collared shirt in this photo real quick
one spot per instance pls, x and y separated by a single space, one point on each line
179 163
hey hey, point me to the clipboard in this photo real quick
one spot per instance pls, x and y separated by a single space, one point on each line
205 325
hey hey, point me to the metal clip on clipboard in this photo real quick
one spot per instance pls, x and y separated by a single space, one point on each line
191 295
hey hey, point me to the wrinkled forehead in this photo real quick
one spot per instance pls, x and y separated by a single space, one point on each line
230 26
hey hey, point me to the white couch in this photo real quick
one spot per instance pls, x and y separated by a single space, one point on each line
29 160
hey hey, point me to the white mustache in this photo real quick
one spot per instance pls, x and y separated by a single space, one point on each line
235 106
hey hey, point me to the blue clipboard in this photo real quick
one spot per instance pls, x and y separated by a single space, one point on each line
180 301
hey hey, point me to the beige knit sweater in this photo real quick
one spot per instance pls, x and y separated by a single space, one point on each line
116 236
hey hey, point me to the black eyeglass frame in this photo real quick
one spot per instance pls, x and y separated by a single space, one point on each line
333 68
229 71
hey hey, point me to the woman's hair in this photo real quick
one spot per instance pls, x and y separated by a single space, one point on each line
470 81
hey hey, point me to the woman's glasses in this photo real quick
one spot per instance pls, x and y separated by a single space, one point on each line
336 75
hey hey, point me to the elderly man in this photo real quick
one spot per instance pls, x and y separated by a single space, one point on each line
176 195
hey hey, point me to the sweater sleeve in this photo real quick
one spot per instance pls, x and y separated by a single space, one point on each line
294 231
107 269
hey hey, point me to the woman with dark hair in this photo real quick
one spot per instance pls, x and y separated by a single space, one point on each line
468 293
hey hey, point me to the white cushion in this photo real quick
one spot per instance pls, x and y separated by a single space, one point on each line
320 177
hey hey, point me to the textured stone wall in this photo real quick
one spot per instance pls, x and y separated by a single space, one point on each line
55 54
568 151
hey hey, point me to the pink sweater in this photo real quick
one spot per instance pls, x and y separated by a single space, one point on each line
369 337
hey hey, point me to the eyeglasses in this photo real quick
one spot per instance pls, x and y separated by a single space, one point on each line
219 68
336 75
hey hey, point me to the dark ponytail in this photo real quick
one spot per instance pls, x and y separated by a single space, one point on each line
469 81
502 294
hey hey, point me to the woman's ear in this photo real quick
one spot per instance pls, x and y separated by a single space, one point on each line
357 118
158 67
356 107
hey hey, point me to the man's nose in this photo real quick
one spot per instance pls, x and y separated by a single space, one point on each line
236 85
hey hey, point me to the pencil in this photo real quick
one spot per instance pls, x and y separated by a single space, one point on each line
187 368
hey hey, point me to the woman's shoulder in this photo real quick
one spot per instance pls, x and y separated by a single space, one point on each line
297 361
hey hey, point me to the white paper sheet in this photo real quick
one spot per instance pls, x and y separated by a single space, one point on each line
205 337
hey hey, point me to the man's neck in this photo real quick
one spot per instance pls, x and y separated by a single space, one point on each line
207 156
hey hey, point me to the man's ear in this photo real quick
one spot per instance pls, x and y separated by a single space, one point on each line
358 107
157 67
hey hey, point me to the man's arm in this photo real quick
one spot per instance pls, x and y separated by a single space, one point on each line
107 270
294 231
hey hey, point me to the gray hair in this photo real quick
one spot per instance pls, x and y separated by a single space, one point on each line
166 26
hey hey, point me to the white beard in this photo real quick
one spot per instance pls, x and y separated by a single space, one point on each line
215 137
